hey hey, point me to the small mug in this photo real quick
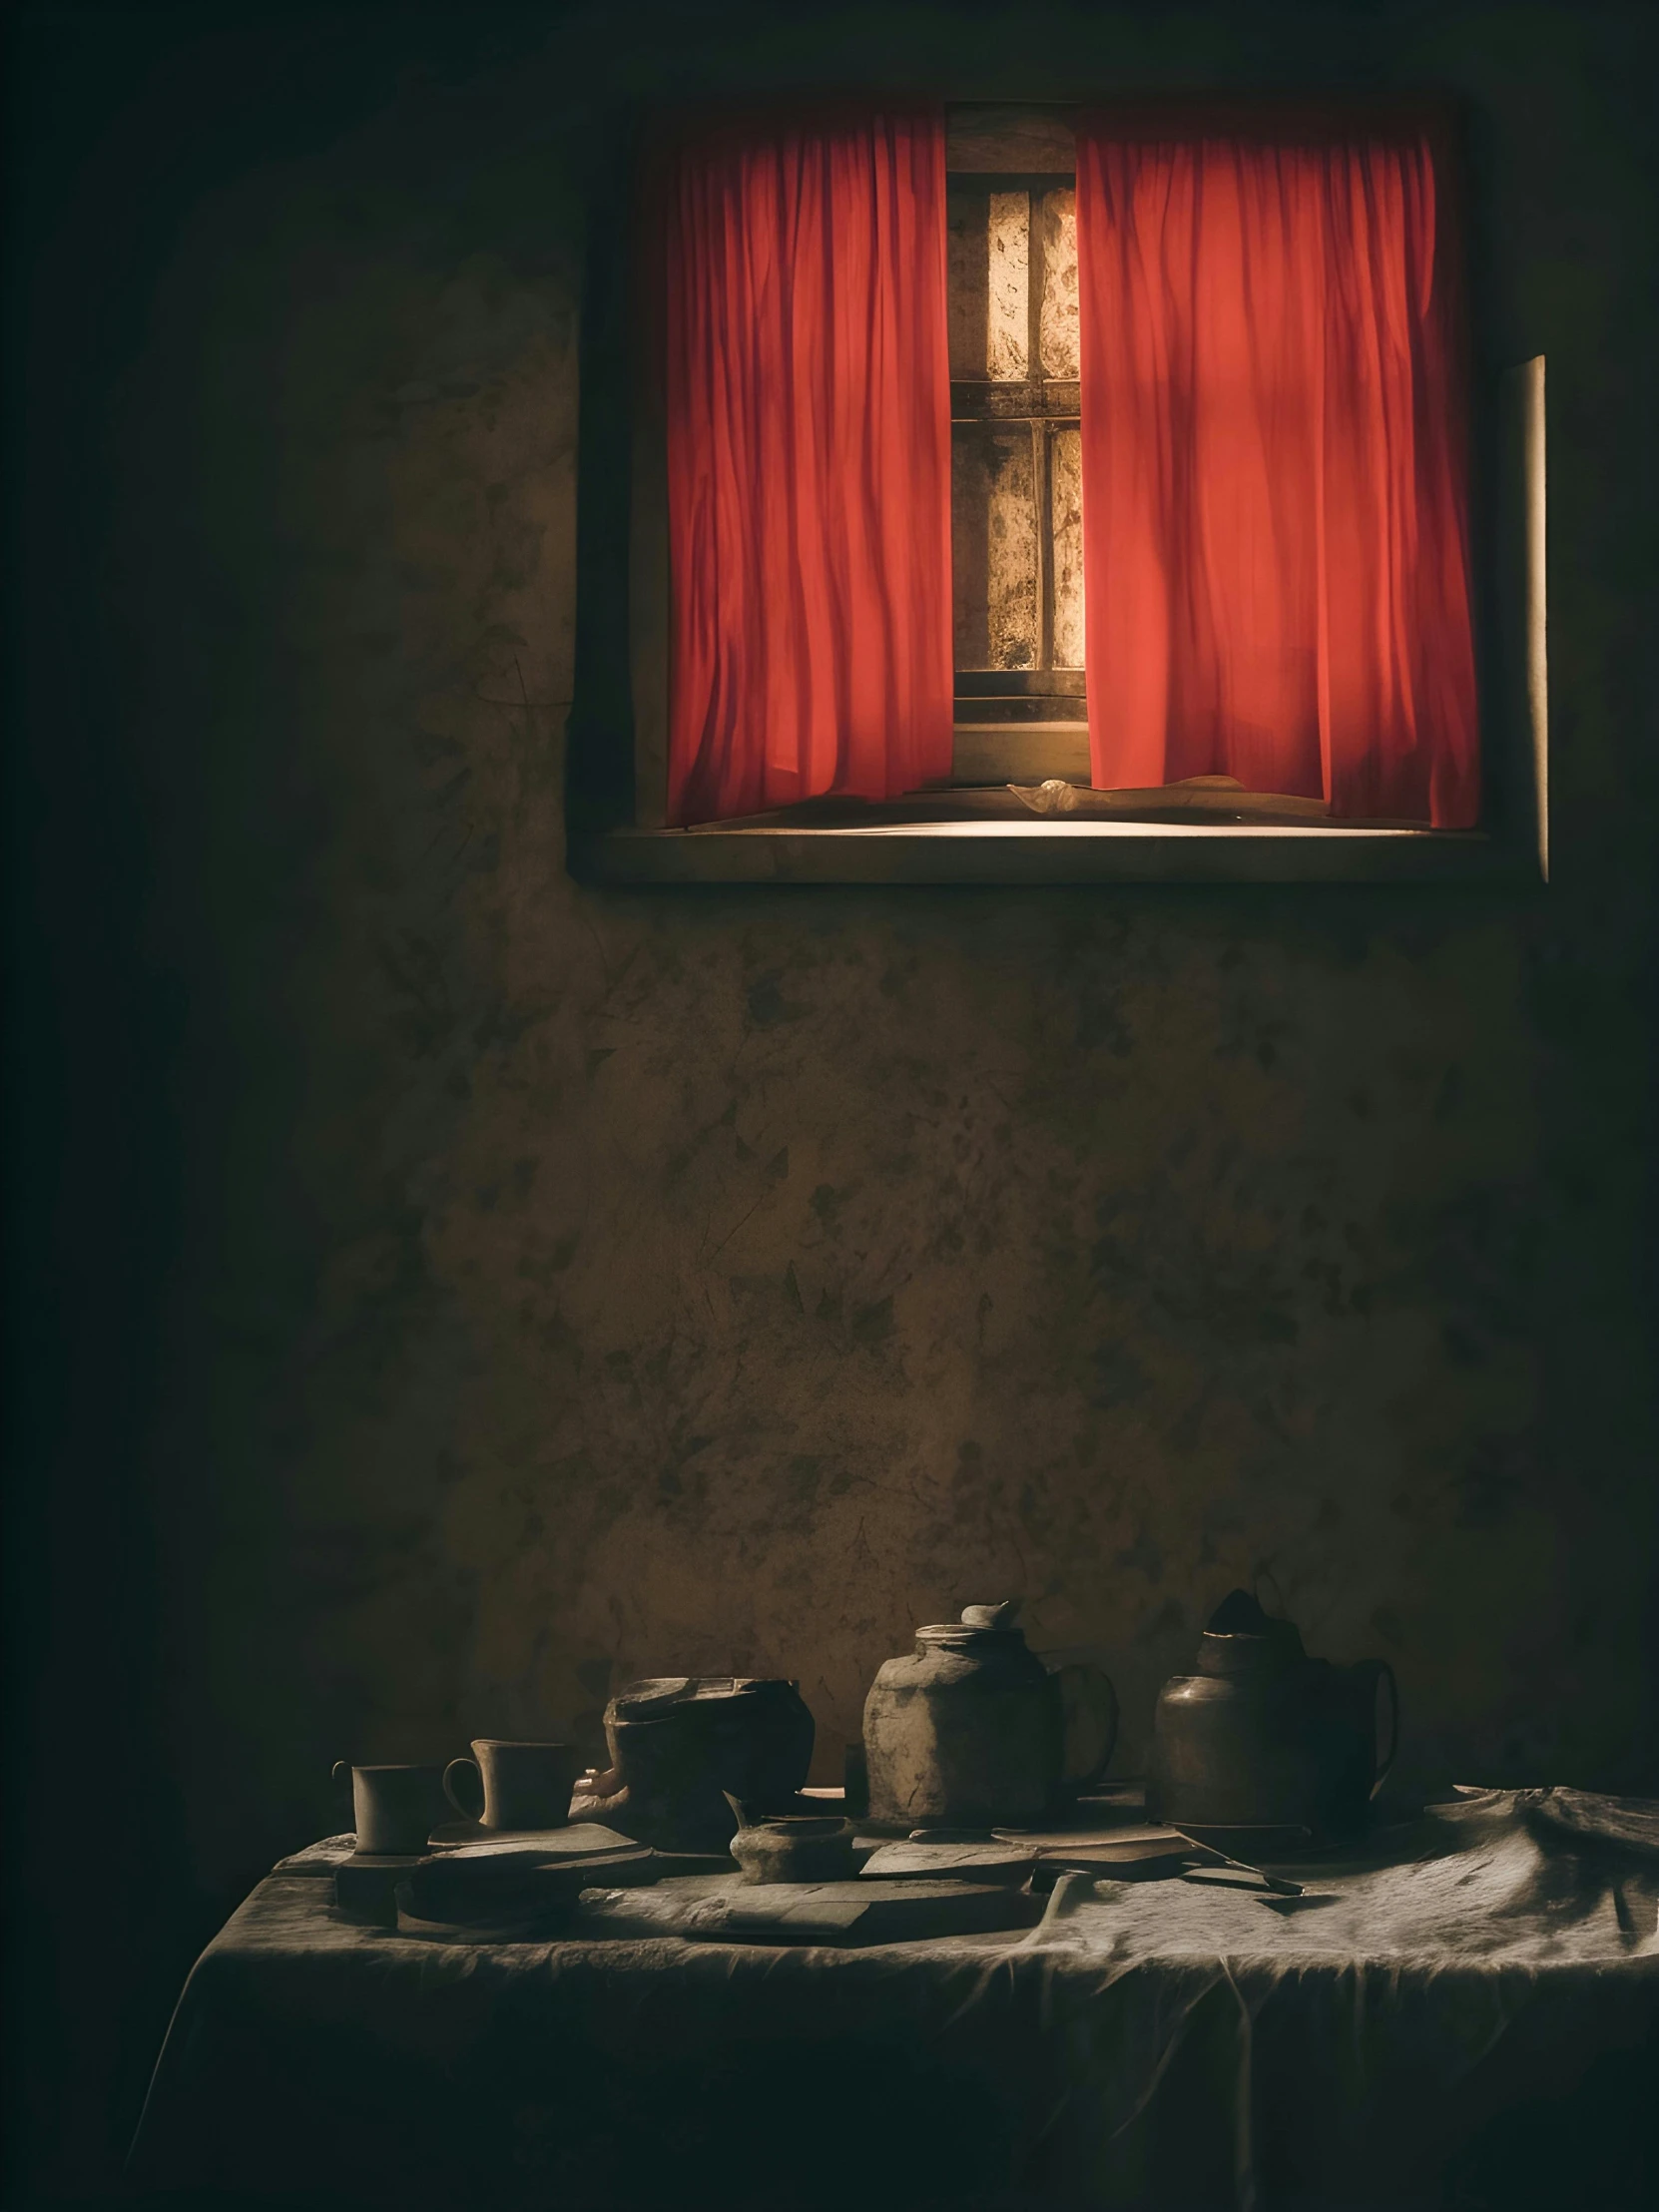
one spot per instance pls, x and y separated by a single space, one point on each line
393 1808
522 1785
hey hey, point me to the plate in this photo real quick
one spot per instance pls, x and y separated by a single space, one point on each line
1091 1834
1253 1844
576 1840
919 1862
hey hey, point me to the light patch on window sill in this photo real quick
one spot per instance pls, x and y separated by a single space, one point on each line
1072 828
1030 852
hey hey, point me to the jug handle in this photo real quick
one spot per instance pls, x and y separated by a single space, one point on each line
1375 1671
1087 1781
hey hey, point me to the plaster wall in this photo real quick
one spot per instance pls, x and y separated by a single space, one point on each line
589 1285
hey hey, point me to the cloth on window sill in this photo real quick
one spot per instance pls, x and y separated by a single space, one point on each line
1465 2014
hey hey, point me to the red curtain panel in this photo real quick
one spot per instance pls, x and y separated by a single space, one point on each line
801 264
1275 535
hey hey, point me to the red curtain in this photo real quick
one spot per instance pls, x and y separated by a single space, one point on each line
1275 517
808 403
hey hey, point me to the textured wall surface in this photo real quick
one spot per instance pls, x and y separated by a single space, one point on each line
603 1285
562 1286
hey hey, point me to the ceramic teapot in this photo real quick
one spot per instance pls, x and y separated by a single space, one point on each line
1263 1737
972 1730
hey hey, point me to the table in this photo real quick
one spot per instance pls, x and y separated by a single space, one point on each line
1465 2014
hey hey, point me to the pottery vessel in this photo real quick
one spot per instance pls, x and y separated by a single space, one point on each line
514 1786
972 1730
1262 1738
796 1848
682 1744
393 1808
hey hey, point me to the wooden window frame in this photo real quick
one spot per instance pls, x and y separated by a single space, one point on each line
617 737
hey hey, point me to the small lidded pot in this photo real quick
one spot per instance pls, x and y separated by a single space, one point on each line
796 1847
973 1731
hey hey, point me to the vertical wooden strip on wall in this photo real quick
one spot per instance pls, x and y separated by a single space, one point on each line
650 600
1008 238
969 547
1522 607
1057 221
1065 478
1537 612
994 524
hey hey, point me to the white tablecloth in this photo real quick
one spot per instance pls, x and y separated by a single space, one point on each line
1465 2014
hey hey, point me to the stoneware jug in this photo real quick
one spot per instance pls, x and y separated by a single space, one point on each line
1262 1737
974 1731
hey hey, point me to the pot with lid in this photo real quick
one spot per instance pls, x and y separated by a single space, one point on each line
684 1745
972 1730
1261 1737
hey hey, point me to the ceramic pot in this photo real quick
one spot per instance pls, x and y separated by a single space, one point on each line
682 1744
796 1848
1262 1738
972 1730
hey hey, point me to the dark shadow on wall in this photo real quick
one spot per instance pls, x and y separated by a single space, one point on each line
439 1294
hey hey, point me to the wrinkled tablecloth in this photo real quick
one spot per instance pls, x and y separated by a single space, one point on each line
1465 2015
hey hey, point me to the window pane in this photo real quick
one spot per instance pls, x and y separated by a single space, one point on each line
989 243
1008 351
1065 482
993 533
1058 315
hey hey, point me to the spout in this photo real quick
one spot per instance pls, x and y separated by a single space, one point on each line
743 1813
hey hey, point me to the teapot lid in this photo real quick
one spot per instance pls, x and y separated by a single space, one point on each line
977 1621
991 1616
1240 1637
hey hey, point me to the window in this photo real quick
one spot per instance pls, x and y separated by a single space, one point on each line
1018 626
1017 486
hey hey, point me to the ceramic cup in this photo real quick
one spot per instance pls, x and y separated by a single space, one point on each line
393 1808
522 1785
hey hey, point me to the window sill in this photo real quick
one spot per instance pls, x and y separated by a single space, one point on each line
1036 851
